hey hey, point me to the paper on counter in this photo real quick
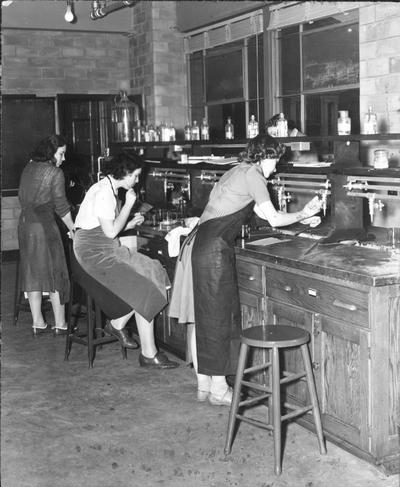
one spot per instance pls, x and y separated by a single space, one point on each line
268 241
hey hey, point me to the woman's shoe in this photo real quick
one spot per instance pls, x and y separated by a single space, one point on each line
159 361
60 329
225 399
38 328
122 336
202 395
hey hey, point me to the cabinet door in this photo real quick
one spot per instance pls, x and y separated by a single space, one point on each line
291 359
342 375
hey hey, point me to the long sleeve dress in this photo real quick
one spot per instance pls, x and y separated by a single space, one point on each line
43 265
205 287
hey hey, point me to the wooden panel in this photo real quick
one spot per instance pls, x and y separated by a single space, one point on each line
319 296
249 276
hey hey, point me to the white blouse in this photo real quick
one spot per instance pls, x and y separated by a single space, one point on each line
99 201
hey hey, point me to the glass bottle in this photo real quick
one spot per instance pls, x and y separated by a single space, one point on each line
152 133
281 126
172 131
188 132
344 123
124 114
229 131
370 122
381 160
252 128
204 131
195 131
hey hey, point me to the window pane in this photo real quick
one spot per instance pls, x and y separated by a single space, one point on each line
255 66
291 109
224 76
290 62
331 57
322 111
196 79
218 115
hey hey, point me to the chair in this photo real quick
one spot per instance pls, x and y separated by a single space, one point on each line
273 339
99 300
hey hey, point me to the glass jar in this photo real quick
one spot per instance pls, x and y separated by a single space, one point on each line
381 160
344 123
124 115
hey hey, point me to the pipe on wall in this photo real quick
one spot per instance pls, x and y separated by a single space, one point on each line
98 10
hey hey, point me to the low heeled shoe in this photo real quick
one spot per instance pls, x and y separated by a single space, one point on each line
121 335
159 361
224 399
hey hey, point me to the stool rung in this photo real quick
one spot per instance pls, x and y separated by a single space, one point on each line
292 377
254 400
255 422
254 385
297 412
257 368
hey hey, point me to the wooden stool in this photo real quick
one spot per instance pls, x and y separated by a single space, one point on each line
273 337
99 300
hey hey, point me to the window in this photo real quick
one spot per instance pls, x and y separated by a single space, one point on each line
227 81
319 73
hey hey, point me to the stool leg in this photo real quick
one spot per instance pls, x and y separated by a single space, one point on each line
90 329
314 399
276 410
236 397
17 294
70 325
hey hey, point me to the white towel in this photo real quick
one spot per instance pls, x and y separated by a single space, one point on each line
173 237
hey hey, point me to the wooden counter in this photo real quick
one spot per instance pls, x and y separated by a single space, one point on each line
348 298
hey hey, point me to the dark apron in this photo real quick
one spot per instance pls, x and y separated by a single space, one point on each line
216 294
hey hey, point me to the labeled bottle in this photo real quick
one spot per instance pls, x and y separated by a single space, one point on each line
195 131
370 122
281 126
229 133
188 132
152 133
204 131
344 123
172 132
252 128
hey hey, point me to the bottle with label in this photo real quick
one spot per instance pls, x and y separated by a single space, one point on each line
252 128
152 133
188 132
204 132
370 122
344 123
229 134
195 131
281 126
172 131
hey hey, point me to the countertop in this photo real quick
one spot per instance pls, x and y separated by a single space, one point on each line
361 265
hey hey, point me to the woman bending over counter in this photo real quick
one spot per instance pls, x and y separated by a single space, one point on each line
136 279
205 290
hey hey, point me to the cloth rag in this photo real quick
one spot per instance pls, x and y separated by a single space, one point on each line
173 237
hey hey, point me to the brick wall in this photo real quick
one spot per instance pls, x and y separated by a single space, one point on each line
380 63
157 62
46 63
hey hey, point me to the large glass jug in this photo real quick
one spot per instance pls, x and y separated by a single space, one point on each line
124 115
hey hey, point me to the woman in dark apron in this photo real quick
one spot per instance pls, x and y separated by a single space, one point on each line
216 308
136 279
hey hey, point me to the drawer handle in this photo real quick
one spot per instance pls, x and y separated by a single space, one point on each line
340 304
252 278
159 252
287 288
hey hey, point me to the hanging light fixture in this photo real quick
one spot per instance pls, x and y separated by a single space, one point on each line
69 14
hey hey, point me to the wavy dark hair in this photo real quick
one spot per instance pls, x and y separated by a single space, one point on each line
261 147
47 147
123 163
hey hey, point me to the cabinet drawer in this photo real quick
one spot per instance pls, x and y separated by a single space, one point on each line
318 296
249 276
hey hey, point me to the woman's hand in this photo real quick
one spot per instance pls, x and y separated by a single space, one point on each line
138 219
312 207
130 197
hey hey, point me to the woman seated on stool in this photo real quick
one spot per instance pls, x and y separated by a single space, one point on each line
205 287
135 278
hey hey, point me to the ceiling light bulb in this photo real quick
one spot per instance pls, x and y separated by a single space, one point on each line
69 16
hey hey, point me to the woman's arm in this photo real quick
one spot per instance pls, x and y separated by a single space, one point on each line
112 228
275 218
67 219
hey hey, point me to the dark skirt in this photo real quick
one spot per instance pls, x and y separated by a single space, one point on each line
135 278
43 265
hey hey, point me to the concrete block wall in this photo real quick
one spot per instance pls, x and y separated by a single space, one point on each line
158 64
46 63
380 63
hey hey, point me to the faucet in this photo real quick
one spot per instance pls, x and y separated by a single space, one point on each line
323 196
372 206
353 185
283 198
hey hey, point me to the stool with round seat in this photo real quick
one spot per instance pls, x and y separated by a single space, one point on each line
99 301
273 338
